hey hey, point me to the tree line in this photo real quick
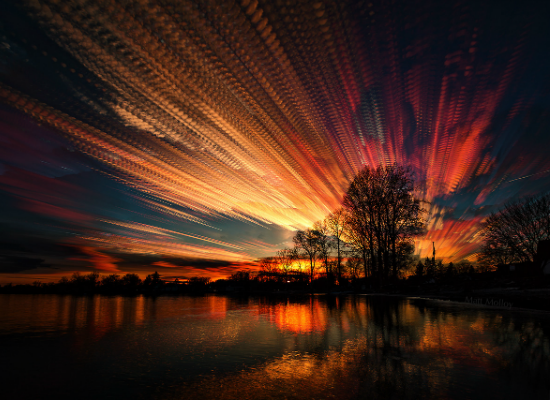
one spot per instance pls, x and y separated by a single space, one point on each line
92 283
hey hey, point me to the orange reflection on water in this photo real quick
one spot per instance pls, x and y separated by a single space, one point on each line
320 347
217 307
298 317
97 315
460 342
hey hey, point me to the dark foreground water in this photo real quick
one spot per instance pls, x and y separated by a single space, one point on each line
217 347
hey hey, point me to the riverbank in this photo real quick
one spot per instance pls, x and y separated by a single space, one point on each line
503 298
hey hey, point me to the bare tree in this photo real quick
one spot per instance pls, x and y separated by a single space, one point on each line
405 250
383 211
308 242
324 243
494 254
352 266
513 234
269 270
337 226
360 240
285 259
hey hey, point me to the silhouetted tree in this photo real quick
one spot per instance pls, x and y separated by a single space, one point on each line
83 283
463 267
110 283
439 269
337 225
308 242
430 267
285 259
405 251
360 240
240 276
384 211
451 271
198 282
131 282
513 233
419 271
152 280
352 266
324 243
269 270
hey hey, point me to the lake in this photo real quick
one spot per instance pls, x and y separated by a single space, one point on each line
217 347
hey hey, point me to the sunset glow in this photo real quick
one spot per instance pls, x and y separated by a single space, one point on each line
196 137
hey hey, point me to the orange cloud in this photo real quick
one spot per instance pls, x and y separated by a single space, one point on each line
98 260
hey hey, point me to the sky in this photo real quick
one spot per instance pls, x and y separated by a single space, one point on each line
193 138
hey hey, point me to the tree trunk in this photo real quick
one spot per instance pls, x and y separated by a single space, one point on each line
394 258
365 261
374 267
339 261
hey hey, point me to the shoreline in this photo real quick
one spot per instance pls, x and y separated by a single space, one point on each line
495 299
454 302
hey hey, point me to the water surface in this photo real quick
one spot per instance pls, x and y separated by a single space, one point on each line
264 348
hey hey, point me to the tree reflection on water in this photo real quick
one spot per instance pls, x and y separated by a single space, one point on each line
217 347
397 350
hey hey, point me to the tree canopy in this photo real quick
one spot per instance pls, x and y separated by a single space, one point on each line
384 216
514 233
